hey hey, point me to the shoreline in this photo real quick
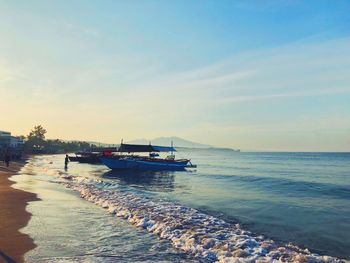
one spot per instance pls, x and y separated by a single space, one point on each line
191 231
13 215
214 237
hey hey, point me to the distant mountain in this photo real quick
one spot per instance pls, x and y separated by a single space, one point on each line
166 141
98 144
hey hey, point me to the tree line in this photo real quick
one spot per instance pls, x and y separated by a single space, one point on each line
36 142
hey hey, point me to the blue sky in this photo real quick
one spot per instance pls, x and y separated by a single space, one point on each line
255 75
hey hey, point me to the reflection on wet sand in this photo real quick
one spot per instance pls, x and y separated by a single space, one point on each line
157 181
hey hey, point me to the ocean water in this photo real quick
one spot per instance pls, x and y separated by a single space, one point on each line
302 198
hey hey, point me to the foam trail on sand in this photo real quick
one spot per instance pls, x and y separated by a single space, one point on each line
189 230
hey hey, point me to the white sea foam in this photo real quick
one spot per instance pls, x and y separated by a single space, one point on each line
191 231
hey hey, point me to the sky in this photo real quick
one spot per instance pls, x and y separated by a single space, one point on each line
255 75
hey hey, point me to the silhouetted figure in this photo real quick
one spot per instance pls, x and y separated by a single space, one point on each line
7 159
66 161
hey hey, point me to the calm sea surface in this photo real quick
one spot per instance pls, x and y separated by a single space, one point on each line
303 198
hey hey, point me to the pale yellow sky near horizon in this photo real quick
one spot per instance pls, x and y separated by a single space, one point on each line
98 76
256 122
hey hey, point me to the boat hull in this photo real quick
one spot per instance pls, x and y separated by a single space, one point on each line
73 158
143 164
85 159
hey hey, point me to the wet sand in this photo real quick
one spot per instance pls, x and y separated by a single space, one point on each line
13 216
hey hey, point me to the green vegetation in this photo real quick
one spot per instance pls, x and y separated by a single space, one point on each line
35 142
36 139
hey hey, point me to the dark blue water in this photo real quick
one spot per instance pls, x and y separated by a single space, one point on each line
303 198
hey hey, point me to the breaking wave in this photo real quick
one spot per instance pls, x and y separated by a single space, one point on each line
206 237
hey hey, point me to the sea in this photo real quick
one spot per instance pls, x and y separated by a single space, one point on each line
254 204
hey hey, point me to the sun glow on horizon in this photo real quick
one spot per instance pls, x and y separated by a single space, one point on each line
112 70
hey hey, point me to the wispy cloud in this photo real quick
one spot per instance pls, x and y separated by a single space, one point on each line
310 93
227 98
304 70
75 28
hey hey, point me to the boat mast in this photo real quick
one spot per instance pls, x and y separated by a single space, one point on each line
172 145
121 143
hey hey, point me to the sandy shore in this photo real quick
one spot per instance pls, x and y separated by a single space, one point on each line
13 216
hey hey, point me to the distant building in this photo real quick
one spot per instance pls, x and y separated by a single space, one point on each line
4 134
10 144
16 142
5 139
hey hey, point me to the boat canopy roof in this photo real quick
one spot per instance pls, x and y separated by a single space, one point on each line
144 148
98 150
104 149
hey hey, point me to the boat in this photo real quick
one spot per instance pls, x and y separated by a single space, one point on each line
73 158
86 157
126 158
92 156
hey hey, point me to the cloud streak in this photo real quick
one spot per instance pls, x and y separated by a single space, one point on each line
82 66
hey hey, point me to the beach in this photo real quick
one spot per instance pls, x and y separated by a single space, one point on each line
13 215
266 206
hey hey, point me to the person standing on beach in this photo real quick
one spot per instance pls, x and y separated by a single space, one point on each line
66 161
7 159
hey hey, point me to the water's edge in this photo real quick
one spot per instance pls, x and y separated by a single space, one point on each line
204 236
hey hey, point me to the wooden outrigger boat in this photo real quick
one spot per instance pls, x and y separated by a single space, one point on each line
92 156
85 157
127 160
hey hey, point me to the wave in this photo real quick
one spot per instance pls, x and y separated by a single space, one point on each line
204 236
